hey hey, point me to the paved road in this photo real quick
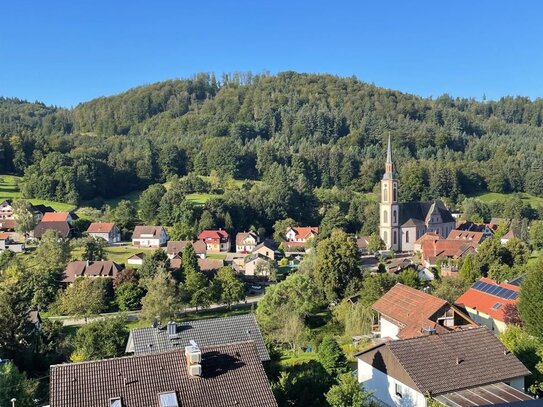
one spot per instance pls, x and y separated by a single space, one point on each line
134 315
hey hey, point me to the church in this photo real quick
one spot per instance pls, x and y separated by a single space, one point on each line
401 224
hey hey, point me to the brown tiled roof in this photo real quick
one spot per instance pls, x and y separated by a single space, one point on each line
362 242
477 237
80 268
7 224
63 228
511 234
431 236
240 237
232 375
199 247
454 361
175 247
99 227
411 308
205 265
147 230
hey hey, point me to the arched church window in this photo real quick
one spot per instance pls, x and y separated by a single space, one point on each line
385 216
394 215
395 193
407 236
385 193
395 238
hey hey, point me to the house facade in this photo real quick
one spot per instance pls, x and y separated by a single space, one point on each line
149 236
266 249
216 240
453 366
246 242
486 300
107 231
6 209
401 224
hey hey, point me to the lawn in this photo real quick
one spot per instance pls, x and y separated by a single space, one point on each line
118 254
534 201
10 190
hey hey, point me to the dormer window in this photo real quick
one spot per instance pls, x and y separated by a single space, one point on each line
168 399
115 402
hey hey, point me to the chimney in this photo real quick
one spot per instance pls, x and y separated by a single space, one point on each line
172 330
194 358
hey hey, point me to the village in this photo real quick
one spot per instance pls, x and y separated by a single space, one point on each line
408 325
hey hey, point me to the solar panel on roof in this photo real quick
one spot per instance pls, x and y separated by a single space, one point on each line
477 285
500 293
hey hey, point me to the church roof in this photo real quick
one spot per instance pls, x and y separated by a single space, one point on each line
416 212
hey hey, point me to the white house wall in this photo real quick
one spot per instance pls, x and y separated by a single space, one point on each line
383 388
388 329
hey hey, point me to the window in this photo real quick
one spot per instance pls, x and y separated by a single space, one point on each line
407 236
398 389
385 193
115 402
394 214
395 192
385 216
497 306
395 238
385 237
168 399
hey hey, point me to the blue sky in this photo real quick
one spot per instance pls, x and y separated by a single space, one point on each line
65 52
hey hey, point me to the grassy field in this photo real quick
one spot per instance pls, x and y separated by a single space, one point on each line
534 201
9 189
118 254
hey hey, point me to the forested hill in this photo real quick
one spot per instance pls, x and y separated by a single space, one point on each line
311 130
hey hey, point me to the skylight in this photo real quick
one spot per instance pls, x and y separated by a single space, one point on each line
497 306
168 399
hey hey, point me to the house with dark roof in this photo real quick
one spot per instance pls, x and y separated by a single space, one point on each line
206 332
82 268
105 230
63 228
460 368
511 234
486 300
267 248
192 376
149 236
406 312
216 240
246 242
401 224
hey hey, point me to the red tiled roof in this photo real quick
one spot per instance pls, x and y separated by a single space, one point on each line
4 236
214 235
305 232
99 227
484 302
451 248
55 217
410 307
428 236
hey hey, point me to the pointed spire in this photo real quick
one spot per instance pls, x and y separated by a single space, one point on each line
389 150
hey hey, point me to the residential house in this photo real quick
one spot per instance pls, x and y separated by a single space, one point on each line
467 235
208 266
362 244
63 228
103 230
82 268
7 243
175 247
486 300
301 234
7 225
512 234
446 250
149 236
461 368
194 376
6 209
206 332
406 312
246 242
200 248
136 259
487 229
254 263
40 211
267 249
216 240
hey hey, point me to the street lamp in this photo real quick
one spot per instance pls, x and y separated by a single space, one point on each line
13 402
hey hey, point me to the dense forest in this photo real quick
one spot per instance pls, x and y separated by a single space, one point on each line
295 131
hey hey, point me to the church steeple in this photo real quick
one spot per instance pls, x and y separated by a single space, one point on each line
389 166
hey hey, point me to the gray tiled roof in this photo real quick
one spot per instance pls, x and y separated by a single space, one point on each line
206 332
232 375
419 211
458 360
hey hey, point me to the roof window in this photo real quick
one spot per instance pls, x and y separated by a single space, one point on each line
168 399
